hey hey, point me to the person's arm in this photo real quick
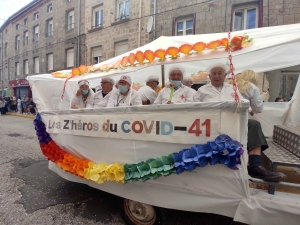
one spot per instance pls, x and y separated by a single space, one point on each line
90 102
158 100
189 95
198 97
256 102
152 97
75 102
137 100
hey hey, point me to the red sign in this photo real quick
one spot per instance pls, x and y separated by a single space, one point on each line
18 83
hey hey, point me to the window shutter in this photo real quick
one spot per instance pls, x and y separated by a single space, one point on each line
173 26
70 58
36 65
121 48
50 62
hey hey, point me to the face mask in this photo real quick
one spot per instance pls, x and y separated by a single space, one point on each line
84 92
176 83
156 87
123 89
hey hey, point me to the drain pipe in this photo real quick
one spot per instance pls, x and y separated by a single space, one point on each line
154 20
78 34
140 21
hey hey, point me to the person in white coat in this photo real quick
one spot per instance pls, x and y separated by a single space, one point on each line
182 94
100 98
147 92
125 95
247 84
217 90
188 81
83 95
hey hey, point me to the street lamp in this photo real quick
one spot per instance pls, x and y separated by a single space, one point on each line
85 52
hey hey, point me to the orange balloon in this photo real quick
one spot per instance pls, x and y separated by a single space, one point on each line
185 49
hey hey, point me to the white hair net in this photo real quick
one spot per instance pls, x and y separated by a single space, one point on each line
176 67
152 78
187 79
108 79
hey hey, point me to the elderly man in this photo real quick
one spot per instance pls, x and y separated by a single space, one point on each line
188 81
181 94
147 92
83 95
217 90
101 97
125 95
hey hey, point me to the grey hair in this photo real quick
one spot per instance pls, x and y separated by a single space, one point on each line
108 79
186 79
176 67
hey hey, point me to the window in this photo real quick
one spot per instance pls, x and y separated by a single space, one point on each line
98 18
17 69
18 42
6 73
49 7
25 21
26 38
49 28
245 17
26 68
35 16
36 65
50 61
17 26
36 34
123 9
121 47
97 54
70 58
70 20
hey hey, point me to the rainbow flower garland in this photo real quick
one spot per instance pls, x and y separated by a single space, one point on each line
223 150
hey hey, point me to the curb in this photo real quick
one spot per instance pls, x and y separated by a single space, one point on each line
21 115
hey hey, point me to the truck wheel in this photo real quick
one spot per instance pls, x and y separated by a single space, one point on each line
137 213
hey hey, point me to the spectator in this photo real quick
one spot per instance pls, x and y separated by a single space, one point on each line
31 107
19 105
2 106
279 99
24 101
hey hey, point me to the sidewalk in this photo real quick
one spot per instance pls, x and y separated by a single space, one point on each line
20 115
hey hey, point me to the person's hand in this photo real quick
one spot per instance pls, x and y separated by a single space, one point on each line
78 93
169 102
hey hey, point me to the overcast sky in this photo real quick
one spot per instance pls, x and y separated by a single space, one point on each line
9 7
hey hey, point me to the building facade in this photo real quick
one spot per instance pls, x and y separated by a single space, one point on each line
44 36
50 35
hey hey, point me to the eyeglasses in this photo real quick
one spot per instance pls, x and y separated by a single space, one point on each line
104 83
176 74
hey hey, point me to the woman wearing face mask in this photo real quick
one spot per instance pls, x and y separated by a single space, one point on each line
181 94
147 92
125 95
83 95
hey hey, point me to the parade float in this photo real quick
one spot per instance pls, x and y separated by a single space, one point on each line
186 156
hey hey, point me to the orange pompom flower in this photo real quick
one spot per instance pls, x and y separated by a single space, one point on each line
124 61
83 69
173 52
139 55
199 46
103 67
149 55
224 42
214 44
76 72
185 49
131 59
117 64
160 53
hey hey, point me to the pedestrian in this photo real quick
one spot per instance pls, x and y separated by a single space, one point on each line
31 107
2 106
24 104
19 105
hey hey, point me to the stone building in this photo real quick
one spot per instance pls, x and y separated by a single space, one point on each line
41 37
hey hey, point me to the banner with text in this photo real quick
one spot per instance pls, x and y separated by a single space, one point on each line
191 128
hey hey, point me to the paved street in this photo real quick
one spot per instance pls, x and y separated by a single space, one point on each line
32 194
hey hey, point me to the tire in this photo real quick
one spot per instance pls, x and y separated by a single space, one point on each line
137 213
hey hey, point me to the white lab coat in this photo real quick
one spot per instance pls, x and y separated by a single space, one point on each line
182 95
78 103
97 100
117 100
147 93
209 93
253 95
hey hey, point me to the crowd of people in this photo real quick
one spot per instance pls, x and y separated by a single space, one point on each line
179 91
22 105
